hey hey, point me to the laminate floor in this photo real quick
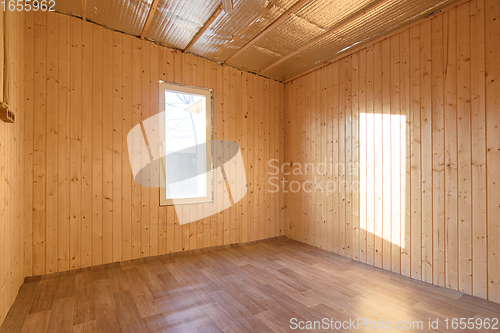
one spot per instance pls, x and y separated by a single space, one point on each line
257 287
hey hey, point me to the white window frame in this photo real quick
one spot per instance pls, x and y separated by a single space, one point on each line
208 93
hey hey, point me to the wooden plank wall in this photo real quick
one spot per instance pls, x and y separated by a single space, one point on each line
417 114
88 86
12 172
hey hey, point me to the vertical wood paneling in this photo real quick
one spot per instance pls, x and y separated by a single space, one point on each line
281 147
107 146
162 211
363 160
275 143
28 147
243 232
416 155
369 143
426 131
330 187
39 144
344 109
405 100
451 151
136 118
87 133
437 123
492 74
63 214
320 148
305 100
145 114
386 155
219 121
229 117
87 210
478 123
314 131
208 209
315 205
237 138
397 222
265 158
295 123
250 157
225 136
355 253
75 239
116 146
427 99
464 150
127 178
16 162
378 154
154 193
97 152
52 146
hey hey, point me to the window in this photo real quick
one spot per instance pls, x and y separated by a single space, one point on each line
187 166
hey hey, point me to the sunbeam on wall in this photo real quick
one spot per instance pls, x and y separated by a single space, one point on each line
382 177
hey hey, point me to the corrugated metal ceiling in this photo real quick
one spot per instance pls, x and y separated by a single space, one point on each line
175 23
368 27
127 16
226 34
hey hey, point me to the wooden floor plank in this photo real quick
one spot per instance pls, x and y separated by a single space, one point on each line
254 287
60 320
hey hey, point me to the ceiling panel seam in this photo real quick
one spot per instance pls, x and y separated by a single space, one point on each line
151 14
205 26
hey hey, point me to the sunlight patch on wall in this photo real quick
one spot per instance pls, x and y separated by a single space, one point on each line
382 176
